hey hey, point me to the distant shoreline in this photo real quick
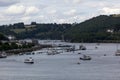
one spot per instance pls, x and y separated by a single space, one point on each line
17 51
100 41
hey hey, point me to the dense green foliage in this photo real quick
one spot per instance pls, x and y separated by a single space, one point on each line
92 30
2 37
95 30
13 45
45 31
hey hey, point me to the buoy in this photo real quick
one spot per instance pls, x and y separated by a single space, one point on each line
104 54
79 53
78 62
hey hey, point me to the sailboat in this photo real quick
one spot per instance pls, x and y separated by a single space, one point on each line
117 53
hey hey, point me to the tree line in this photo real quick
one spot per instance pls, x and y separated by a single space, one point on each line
92 30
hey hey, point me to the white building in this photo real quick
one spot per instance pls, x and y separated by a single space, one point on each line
10 37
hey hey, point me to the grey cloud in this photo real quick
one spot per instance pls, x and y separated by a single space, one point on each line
55 10
4 3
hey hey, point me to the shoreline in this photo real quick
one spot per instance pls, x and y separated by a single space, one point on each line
18 51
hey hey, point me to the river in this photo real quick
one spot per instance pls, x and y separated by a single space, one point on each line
64 66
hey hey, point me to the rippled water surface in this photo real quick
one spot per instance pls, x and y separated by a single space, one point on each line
64 66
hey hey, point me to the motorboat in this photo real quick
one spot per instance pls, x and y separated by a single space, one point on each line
29 60
117 53
81 47
21 53
85 57
3 55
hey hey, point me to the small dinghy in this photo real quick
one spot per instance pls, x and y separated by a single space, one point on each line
29 60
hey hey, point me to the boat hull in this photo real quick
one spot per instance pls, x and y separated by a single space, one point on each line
3 56
89 58
29 62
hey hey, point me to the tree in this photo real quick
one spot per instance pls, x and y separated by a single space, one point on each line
33 23
19 25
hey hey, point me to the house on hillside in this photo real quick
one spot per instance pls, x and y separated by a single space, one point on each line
10 37
110 30
30 26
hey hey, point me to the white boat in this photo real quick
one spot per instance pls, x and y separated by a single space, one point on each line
3 55
117 53
29 60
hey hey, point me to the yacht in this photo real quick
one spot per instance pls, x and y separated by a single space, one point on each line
3 55
29 60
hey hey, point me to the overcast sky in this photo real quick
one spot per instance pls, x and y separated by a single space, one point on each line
59 11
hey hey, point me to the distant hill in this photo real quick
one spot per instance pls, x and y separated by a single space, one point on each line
42 31
98 24
96 29
102 28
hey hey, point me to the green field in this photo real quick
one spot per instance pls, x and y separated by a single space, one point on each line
18 30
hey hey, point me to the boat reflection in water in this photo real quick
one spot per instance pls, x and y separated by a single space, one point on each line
29 60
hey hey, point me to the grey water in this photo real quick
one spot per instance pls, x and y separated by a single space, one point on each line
64 66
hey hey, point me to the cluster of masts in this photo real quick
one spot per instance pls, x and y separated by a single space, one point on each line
54 52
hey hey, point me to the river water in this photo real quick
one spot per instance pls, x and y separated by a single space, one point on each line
64 66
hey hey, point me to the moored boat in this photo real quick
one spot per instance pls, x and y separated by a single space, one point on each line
117 53
3 55
81 47
85 57
29 60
